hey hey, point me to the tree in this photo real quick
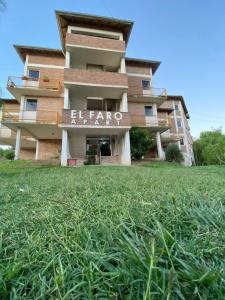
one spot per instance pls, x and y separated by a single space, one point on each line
209 149
173 153
140 141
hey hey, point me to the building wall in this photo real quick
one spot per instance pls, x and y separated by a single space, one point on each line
46 59
77 144
27 154
49 149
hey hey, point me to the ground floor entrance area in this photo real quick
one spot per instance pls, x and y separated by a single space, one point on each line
107 149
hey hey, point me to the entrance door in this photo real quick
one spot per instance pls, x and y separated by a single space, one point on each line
98 145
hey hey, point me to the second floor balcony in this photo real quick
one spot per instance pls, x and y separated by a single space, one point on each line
20 86
149 94
96 83
153 122
8 137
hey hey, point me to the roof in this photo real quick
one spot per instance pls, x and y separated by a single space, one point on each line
154 64
23 50
179 98
65 18
8 100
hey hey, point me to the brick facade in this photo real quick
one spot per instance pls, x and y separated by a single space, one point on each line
49 149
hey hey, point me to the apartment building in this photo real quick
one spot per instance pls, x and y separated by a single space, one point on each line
86 97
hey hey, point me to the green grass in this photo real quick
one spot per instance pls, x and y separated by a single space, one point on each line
112 232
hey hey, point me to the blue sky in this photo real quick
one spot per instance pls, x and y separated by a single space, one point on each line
188 36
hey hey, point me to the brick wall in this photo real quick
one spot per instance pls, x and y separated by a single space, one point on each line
93 77
46 59
137 69
135 85
95 42
27 154
49 149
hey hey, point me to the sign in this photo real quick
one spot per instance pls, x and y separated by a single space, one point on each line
95 118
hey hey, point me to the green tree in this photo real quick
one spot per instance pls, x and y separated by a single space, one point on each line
209 149
140 141
173 153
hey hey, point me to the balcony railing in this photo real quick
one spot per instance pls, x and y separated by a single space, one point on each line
149 121
34 83
151 92
28 116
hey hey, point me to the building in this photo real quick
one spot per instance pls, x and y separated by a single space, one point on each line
85 98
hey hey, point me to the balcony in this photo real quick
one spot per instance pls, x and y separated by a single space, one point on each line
21 86
95 122
168 136
95 83
40 124
8 137
152 95
94 50
152 122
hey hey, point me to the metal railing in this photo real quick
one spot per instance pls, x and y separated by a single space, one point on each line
154 120
29 116
29 82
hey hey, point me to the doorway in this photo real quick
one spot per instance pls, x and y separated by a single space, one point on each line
98 146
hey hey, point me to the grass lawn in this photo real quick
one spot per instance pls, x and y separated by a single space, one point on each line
141 232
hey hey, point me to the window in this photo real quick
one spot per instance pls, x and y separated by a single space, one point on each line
176 107
146 84
33 75
148 111
31 104
182 142
179 125
95 104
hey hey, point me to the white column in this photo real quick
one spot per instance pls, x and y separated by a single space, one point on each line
159 146
64 151
123 103
67 60
18 144
125 149
37 150
122 65
66 99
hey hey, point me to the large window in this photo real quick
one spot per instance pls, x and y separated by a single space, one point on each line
146 84
31 104
148 111
33 75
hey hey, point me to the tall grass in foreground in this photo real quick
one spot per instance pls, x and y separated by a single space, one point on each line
112 233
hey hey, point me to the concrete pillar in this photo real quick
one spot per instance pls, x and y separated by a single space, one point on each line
66 99
18 144
64 152
159 146
125 149
37 150
123 65
123 103
67 60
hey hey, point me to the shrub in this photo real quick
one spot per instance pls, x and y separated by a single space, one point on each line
90 158
7 154
173 153
140 142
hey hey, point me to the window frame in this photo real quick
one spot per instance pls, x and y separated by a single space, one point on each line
149 84
33 78
179 122
27 101
151 109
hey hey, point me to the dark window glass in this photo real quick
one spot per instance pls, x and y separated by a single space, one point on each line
182 142
179 124
31 104
148 111
146 84
33 75
176 107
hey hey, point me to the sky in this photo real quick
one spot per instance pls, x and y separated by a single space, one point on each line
187 36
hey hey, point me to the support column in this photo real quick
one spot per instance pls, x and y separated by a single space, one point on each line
123 65
18 144
159 146
123 103
37 150
64 152
125 149
66 99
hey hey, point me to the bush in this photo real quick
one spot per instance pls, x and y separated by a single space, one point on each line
173 153
7 154
140 142
90 158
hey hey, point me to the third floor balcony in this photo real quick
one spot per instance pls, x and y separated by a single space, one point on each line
96 83
20 86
